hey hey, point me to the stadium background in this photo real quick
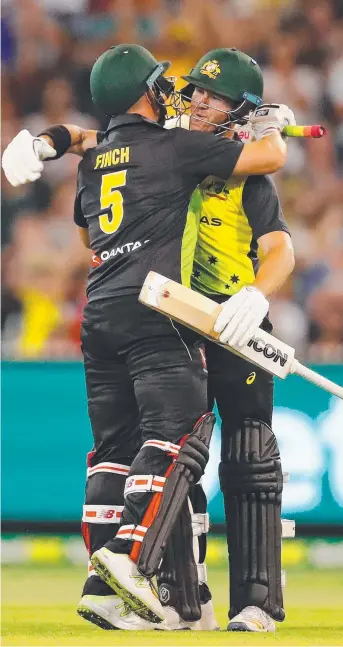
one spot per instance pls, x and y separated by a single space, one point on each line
48 48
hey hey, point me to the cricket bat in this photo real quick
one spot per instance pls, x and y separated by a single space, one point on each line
199 313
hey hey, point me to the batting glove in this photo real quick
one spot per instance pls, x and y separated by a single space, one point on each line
269 118
22 159
241 316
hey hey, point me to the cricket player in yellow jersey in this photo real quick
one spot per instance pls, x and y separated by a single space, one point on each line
237 219
234 218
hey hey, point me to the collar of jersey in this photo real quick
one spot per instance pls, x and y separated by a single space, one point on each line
123 120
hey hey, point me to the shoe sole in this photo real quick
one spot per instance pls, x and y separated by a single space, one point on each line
95 619
135 603
238 626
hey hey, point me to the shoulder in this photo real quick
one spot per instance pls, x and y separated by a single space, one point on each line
259 189
262 206
260 183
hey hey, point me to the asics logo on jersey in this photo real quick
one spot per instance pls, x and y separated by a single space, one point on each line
251 378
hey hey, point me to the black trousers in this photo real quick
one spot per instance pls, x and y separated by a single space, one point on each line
240 389
145 380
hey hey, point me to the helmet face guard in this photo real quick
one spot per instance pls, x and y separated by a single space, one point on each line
163 90
239 114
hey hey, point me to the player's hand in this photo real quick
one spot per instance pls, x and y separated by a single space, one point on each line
269 118
22 159
245 133
241 316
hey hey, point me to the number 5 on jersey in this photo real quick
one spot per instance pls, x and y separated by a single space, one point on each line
112 199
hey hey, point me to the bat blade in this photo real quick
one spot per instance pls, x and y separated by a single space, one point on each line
199 313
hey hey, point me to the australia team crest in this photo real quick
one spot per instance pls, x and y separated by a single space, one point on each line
211 69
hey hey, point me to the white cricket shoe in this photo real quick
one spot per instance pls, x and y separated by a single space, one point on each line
174 622
122 575
252 619
207 621
111 612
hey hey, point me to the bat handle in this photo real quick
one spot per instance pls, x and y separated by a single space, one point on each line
305 131
317 379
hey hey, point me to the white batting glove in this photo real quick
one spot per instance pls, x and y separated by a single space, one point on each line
22 159
245 133
269 118
241 316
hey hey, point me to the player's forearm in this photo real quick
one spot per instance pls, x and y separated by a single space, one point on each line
264 156
274 149
81 139
275 268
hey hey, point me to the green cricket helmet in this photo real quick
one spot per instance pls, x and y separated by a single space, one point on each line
230 74
123 74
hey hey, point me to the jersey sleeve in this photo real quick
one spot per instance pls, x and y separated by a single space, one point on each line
100 136
203 154
79 218
262 206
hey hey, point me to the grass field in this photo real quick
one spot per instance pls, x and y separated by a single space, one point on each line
38 608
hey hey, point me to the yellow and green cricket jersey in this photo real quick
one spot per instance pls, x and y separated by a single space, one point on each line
231 216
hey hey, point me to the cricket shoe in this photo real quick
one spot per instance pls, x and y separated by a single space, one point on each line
174 622
123 576
111 612
252 619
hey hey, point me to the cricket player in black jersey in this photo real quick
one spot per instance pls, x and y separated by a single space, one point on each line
145 382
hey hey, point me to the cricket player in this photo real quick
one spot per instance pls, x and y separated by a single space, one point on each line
237 219
144 381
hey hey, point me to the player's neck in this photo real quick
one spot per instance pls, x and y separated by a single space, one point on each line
230 133
144 108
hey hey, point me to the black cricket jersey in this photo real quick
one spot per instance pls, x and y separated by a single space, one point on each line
133 194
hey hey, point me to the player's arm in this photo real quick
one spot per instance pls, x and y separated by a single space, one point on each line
262 207
277 263
267 155
84 235
79 218
22 160
243 313
81 139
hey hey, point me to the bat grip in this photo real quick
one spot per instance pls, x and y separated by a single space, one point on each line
317 379
304 131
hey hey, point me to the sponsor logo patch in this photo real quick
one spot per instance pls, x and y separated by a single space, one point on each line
263 112
251 378
164 594
96 260
269 351
108 513
129 483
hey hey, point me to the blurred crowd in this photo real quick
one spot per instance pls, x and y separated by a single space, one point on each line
48 49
